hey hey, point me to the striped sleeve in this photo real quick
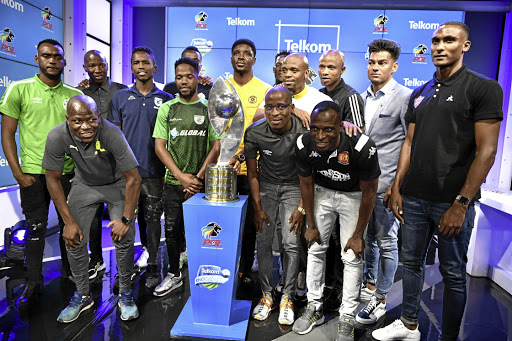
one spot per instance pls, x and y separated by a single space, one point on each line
353 110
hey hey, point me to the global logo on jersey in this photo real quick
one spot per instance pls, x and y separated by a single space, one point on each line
6 37
343 158
46 13
201 24
419 54
204 46
380 24
211 276
210 233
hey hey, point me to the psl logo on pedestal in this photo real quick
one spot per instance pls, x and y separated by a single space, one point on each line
204 46
210 232
201 24
380 24
6 37
211 276
419 54
13 4
46 13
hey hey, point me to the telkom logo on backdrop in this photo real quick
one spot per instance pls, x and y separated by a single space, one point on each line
289 37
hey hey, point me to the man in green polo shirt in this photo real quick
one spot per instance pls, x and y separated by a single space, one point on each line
37 105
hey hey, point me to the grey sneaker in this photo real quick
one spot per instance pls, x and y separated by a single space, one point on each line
169 284
310 318
95 268
345 329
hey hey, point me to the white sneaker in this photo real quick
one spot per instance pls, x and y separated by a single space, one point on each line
366 294
300 287
262 310
396 331
142 261
169 284
286 313
373 311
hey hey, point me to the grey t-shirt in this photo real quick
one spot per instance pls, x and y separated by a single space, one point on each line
99 162
277 152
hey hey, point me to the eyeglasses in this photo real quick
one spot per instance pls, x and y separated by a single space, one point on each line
279 107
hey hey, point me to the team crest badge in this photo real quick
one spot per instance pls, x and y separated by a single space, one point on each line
65 103
418 100
199 119
253 99
158 101
343 158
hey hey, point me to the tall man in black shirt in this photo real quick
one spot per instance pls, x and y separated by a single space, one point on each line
454 122
338 176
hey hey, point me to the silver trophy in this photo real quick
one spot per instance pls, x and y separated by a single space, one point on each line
224 107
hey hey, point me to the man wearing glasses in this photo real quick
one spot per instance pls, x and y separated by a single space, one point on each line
275 192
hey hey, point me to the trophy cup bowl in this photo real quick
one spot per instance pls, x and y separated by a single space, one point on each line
224 107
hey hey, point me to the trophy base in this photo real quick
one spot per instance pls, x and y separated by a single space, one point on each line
220 184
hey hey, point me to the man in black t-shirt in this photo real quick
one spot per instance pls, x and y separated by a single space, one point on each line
106 171
453 126
339 176
275 193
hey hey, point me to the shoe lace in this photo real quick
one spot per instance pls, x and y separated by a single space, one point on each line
266 300
286 304
371 305
126 299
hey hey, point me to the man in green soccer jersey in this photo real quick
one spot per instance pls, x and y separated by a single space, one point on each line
37 105
185 143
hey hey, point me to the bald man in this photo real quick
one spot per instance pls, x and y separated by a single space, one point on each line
101 89
106 172
330 68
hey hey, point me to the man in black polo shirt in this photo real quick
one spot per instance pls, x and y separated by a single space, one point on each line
106 171
338 176
101 89
275 193
330 68
454 122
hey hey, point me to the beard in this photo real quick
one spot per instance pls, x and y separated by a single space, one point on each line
52 76
189 95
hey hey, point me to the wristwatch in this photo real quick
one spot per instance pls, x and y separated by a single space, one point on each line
462 200
301 210
126 221
240 158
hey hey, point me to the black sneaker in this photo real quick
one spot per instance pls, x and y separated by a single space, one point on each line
95 268
152 276
29 295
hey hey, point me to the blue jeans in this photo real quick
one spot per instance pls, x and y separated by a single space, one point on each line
278 202
421 221
381 240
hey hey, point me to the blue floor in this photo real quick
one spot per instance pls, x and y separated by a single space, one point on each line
487 312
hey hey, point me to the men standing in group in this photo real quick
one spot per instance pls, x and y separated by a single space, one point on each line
204 82
330 68
453 127
101 89
339 177
106 171
385 106
275 193
38 104
252 93
134 111
186 143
